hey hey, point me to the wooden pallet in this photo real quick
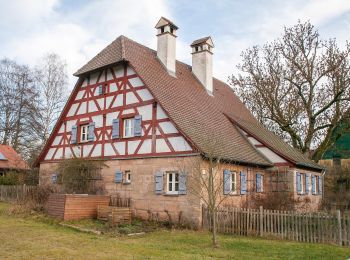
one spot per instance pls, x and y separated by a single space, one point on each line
114 215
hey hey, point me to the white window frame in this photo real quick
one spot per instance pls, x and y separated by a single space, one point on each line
316 184
128 129
171 186
84 133
261 183
127 176
233 182
302 181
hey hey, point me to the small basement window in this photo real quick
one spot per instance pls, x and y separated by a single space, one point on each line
127 177
84 133
128 127
172 182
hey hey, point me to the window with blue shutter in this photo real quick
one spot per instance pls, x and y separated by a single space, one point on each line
182 183
313 184
307 183
137 125
227 181
91 131
73 139
115 128
118 177
259 184
158 179
243 183
54 178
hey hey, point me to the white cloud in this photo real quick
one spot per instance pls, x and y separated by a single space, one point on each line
29 29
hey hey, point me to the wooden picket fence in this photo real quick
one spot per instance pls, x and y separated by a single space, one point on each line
10 193
316 227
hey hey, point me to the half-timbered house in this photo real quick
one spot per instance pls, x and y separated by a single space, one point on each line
141 110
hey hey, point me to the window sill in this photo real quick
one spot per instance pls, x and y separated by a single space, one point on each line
127 183
171 194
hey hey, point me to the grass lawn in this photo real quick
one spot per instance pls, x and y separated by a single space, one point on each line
27 237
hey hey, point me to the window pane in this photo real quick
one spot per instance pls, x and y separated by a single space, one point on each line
176 177
176 186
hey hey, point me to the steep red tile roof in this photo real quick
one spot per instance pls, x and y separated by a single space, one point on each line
202 117
12 159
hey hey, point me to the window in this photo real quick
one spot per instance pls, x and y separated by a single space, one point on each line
84 133
316 184
196 48
233 185
259 182
171 30
162 29
127 177
302 182
172 182
129 127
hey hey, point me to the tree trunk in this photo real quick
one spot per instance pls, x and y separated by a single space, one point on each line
213 231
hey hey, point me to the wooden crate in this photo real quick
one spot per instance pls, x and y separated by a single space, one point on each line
120 216
103 212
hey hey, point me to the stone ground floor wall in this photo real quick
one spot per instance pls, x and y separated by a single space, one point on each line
146 204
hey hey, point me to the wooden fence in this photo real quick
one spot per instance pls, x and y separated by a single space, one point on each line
15 192
317 227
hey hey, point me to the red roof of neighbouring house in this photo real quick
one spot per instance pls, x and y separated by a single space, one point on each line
10 159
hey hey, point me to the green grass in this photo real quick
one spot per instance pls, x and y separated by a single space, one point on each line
28 237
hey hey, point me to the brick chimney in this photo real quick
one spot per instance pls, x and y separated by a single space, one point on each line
166 45
202 61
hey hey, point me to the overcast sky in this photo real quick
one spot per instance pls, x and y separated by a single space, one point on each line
78 30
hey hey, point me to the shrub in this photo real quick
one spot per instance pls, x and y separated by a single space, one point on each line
10 178
80 176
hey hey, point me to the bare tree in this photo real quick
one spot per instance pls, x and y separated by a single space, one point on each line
297 86
205 180
52 79
18 95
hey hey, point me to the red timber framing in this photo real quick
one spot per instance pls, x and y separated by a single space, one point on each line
123 95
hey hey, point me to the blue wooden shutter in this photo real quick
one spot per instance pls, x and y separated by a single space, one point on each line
227 181
258 182
54 178
118 177
319 184
115 128
182 183
243 183
100 89
313 184
91 131
73 139
307 183
158 178
137 125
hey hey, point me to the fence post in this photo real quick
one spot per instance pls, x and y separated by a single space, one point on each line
339 228
261 220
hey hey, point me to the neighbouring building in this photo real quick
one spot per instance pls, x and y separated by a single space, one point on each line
143 111
10 160
338 155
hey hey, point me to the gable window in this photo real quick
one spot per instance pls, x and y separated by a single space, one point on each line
172 182
128 127
84 133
